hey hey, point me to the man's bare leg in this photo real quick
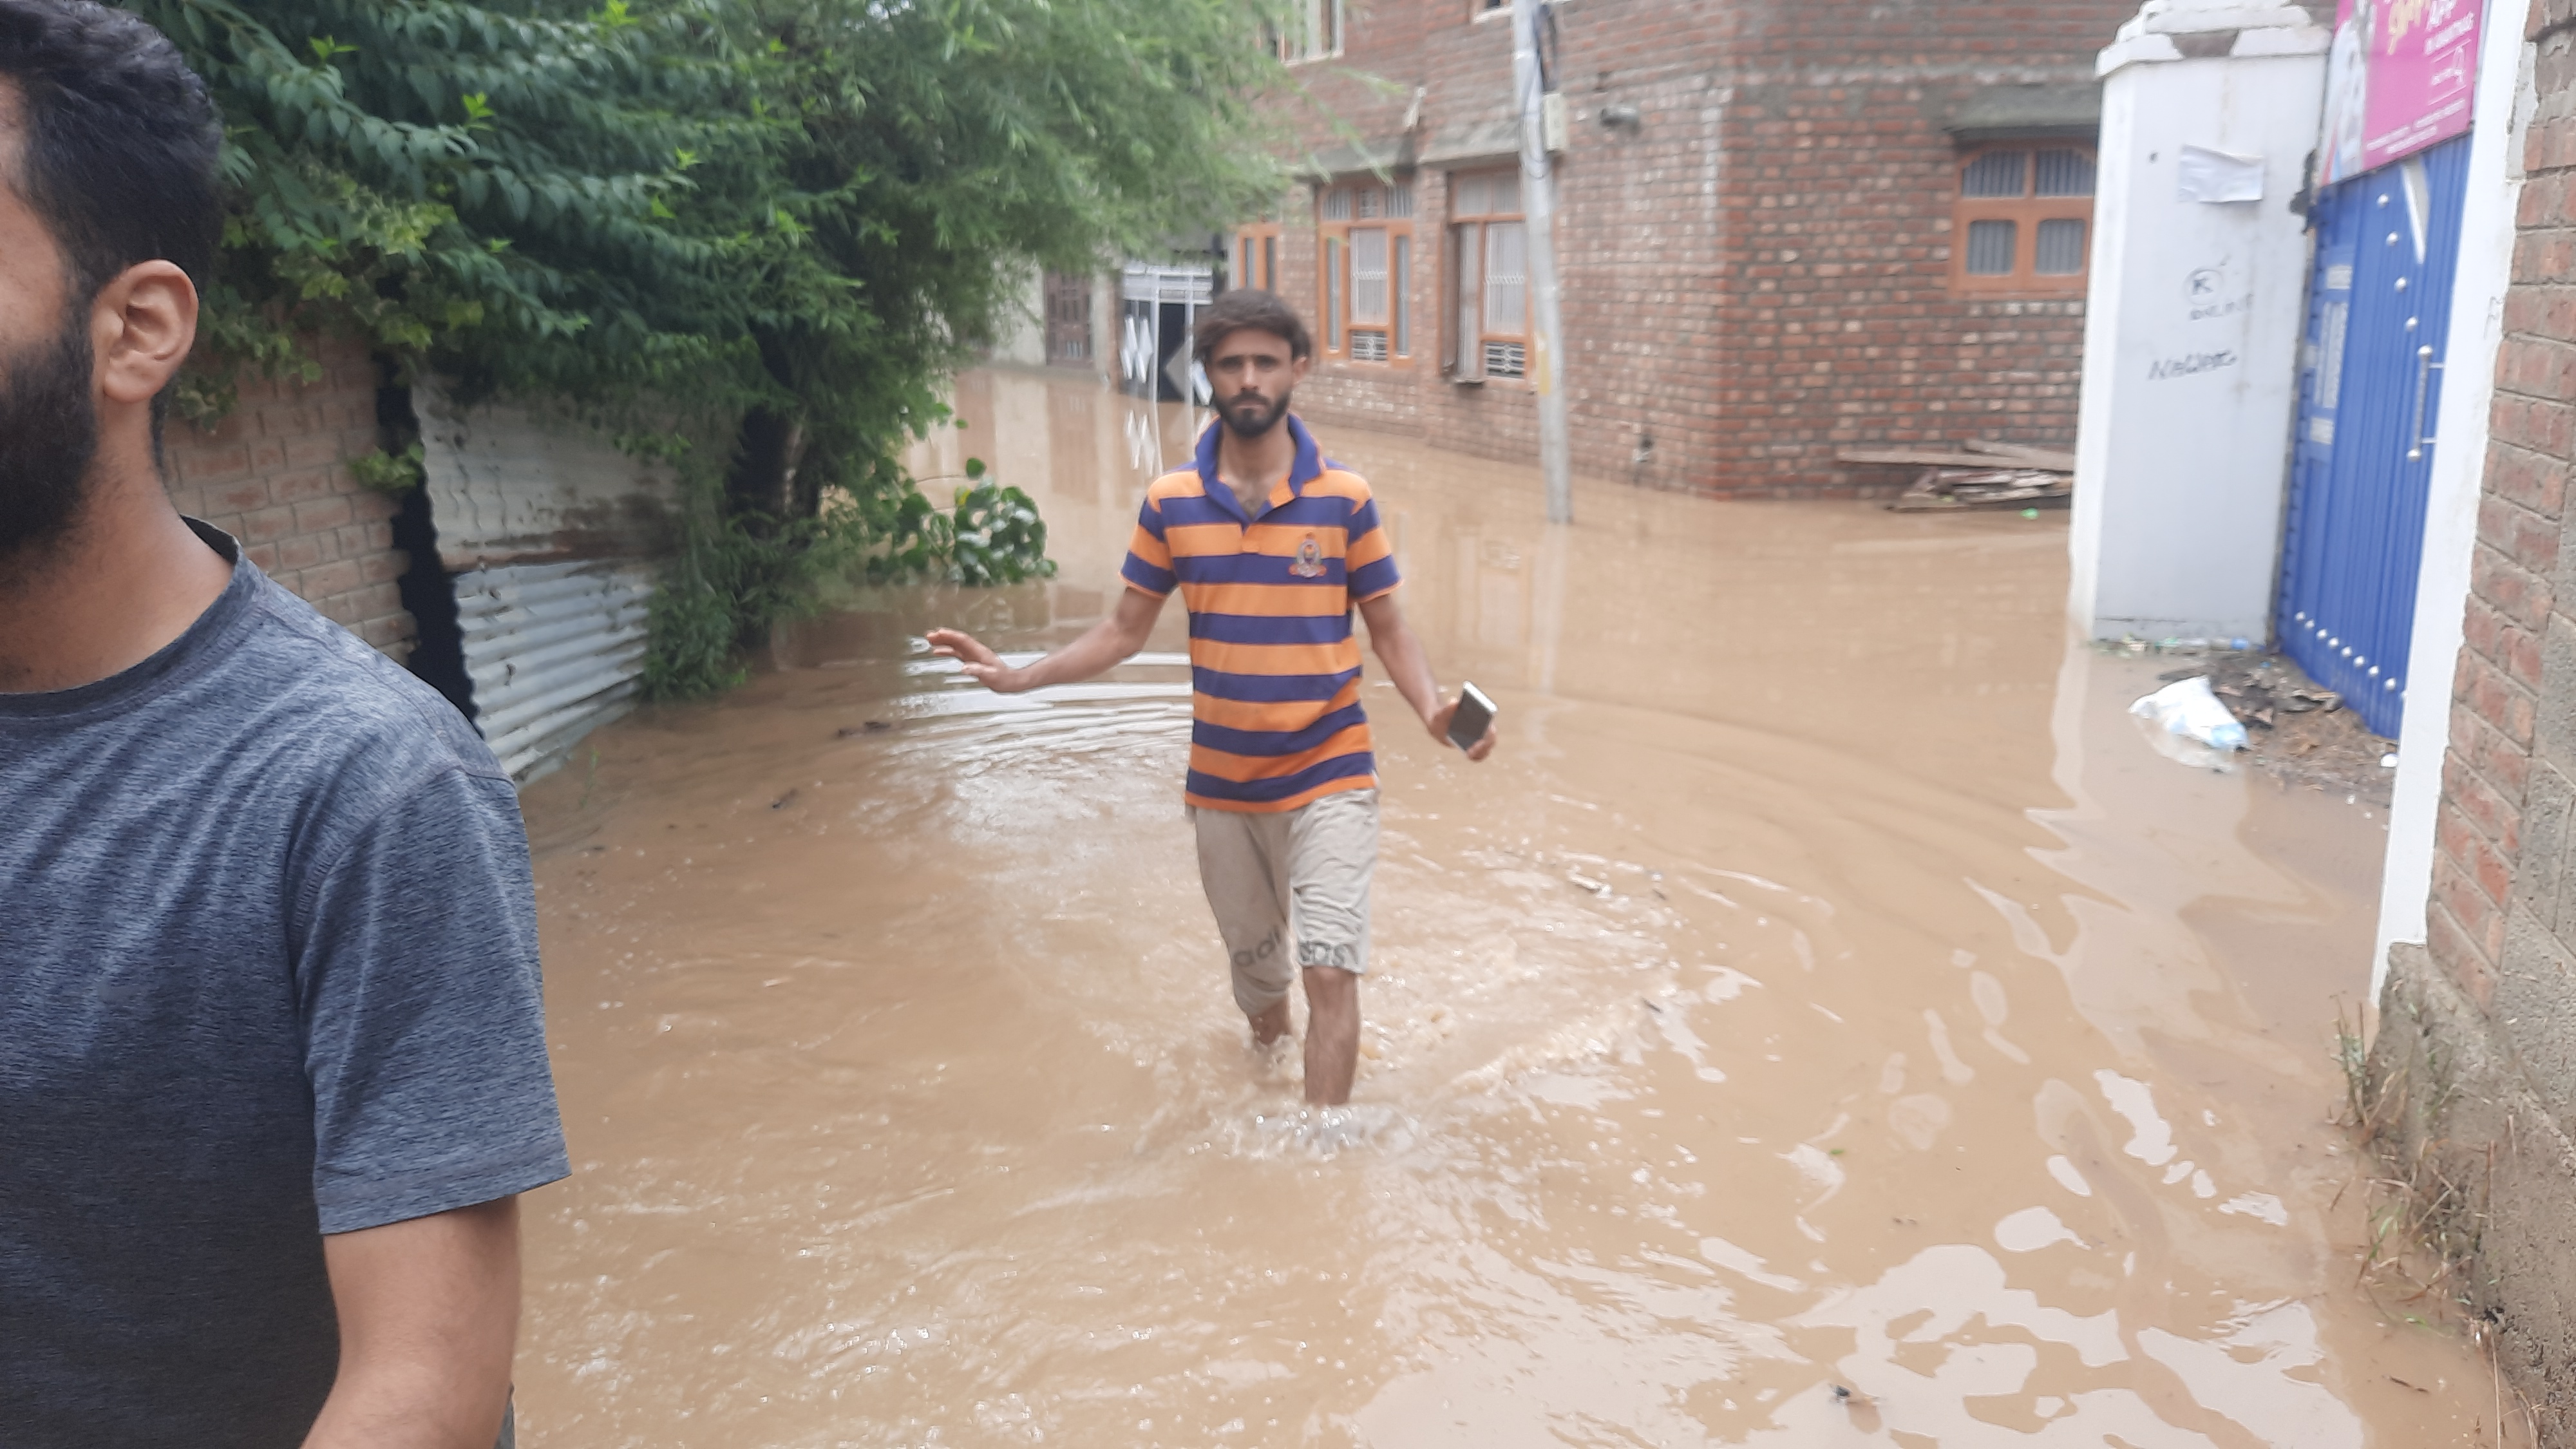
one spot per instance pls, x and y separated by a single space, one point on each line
1271 1023
1332 1034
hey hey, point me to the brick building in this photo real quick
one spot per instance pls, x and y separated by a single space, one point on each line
2473 1070
1759 206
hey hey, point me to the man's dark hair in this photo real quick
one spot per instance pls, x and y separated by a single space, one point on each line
120 140
1236 311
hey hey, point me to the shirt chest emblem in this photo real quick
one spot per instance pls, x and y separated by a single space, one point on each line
1310 559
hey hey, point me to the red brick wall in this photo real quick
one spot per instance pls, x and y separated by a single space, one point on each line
1756 275
275 474
2502 705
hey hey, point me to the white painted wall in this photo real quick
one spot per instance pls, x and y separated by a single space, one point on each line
2503 111
2192 324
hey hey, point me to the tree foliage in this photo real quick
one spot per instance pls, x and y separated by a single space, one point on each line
773 226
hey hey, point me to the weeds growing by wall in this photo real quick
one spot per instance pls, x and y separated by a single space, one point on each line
737 575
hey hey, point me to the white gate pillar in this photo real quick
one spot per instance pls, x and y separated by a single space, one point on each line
2193 318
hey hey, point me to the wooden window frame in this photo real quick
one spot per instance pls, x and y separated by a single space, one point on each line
1343 209
1253 255
1463 347
1062 291
2026 212
1328 31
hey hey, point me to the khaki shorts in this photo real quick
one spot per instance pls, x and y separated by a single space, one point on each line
1298 876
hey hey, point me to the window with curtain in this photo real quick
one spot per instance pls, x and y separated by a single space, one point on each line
1310 30
2022 222
1365 251
1488 279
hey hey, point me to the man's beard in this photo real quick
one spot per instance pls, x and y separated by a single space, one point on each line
1262 416
48 437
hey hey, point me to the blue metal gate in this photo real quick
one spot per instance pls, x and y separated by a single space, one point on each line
2370 386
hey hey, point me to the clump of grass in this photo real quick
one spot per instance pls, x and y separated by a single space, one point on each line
2424 1227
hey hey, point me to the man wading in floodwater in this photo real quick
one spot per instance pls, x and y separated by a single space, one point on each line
1271 547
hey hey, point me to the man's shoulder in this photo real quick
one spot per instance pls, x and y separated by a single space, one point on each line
1340 482
342 706
1179 483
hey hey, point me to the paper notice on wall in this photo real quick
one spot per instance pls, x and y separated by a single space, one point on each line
2206 175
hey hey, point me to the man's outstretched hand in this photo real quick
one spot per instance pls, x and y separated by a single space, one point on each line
977 660
1439 723
1100 648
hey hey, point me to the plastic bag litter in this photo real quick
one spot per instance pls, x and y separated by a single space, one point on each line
2187 709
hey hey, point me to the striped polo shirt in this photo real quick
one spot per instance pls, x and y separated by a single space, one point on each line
1275 669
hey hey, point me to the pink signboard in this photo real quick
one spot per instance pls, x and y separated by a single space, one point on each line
2400 78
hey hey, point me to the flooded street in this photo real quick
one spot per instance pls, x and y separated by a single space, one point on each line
1824 985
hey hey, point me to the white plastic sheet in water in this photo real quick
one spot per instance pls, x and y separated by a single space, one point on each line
2187 722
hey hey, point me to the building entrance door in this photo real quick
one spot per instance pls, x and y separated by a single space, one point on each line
2379 307
1157 307
1068 319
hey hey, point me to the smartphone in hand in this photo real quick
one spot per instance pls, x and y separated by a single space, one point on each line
1474 718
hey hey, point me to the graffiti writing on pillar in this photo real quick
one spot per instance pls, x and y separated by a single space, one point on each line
2189 364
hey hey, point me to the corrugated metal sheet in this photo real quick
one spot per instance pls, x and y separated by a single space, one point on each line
553 650
2379 306
552 538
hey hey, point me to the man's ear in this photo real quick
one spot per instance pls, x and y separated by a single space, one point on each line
1298 368
142 324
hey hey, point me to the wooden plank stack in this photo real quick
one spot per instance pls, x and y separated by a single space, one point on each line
1981 473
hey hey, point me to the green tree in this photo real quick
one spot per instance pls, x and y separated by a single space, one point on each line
773 226
939 151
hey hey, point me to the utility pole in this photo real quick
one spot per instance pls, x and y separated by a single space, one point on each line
1538 205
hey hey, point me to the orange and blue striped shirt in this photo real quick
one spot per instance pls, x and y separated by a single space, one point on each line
1275 669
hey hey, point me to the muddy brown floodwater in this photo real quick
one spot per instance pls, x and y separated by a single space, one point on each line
1824 987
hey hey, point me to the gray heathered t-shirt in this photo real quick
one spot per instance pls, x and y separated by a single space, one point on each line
268 970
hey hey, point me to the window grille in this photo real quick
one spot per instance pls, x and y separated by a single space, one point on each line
2061 248
1368 344
2065 173
1996 174
1990 248
1505 359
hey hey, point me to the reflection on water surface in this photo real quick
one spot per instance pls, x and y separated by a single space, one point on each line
1824 1023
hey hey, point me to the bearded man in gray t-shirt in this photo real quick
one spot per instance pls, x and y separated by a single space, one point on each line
272 1063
